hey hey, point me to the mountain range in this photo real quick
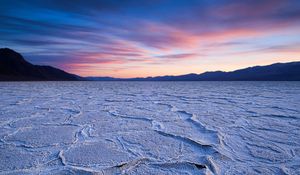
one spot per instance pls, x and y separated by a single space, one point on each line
274 72
13 67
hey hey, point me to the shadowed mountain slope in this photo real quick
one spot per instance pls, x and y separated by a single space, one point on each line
13 67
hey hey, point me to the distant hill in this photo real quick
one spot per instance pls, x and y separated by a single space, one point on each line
103 79
274 72
13 67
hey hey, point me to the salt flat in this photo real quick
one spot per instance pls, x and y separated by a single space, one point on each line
150 128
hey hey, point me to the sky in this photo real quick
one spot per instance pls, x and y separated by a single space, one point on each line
140 38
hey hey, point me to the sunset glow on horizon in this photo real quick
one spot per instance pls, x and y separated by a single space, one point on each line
151 38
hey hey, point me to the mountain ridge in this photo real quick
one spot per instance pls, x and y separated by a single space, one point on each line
13 67
274 72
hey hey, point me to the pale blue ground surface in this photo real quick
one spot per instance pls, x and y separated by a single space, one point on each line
150 128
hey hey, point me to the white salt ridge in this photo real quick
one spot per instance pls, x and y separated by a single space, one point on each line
149 128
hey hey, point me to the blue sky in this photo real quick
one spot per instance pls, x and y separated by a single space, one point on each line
130 38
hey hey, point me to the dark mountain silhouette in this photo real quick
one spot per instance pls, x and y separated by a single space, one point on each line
274 72
13 67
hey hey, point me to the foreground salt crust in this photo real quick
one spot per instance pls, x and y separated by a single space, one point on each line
150 128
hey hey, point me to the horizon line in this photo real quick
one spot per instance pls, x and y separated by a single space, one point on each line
189 73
